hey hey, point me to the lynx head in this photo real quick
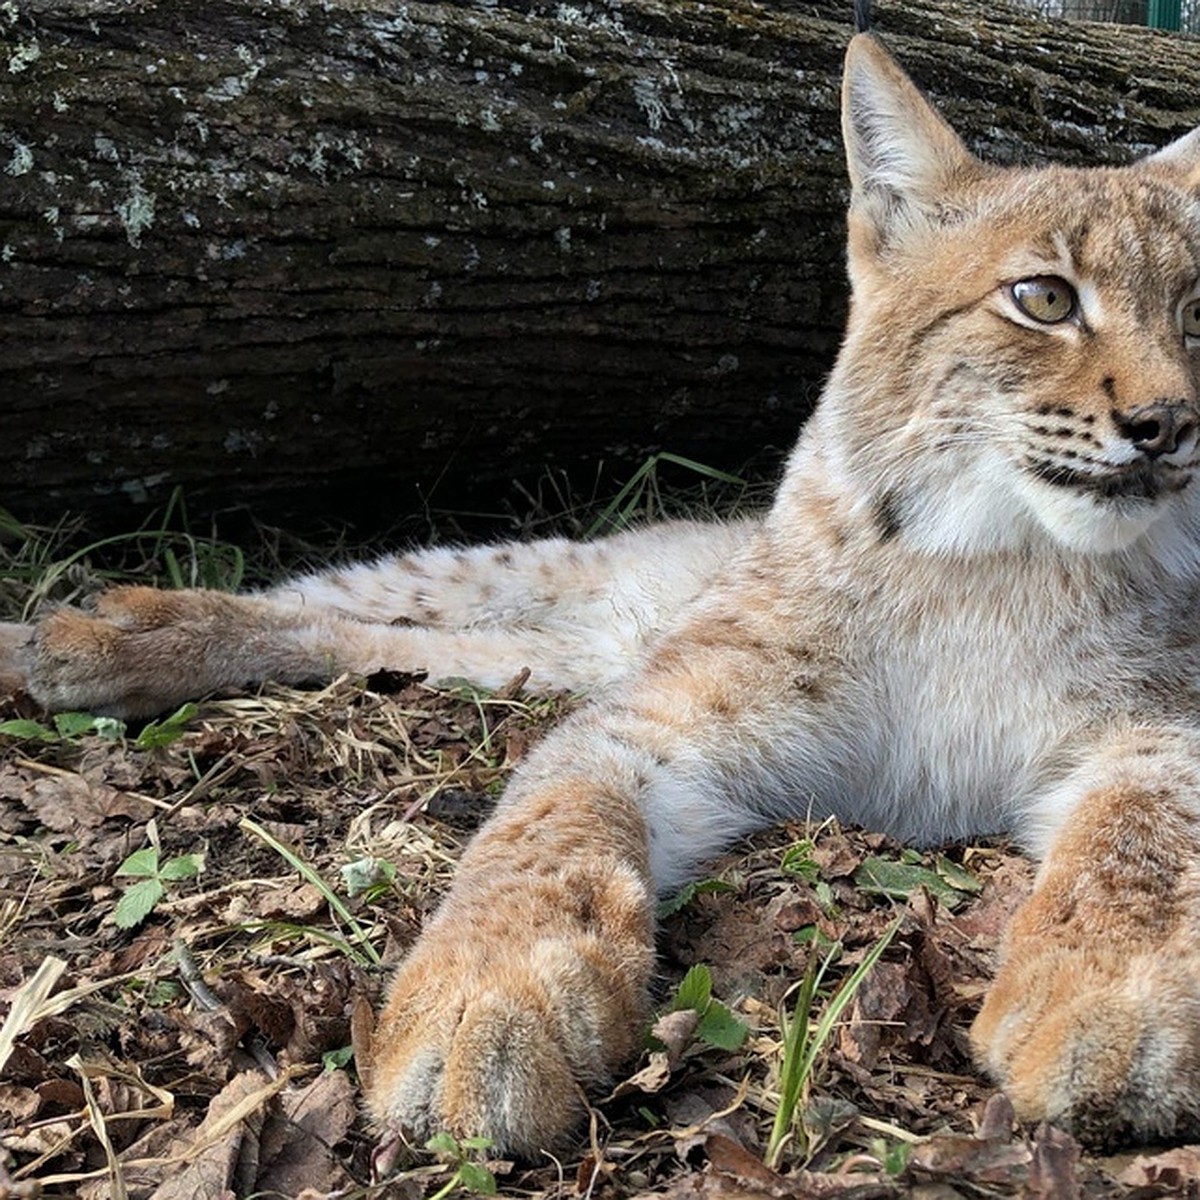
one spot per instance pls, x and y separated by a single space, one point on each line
1022 364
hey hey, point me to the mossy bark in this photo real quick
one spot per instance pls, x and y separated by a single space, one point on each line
325 253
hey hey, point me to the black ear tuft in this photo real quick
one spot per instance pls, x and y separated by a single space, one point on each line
862 16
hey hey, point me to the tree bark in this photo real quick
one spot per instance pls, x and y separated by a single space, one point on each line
326 253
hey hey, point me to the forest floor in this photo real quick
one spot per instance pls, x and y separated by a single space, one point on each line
198 915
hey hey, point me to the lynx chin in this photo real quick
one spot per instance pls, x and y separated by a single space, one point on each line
973 607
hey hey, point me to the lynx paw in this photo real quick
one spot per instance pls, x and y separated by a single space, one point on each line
503 1015
489 1061
14 657
139 652
1103 1039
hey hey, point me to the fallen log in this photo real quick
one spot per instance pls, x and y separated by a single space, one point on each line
323 254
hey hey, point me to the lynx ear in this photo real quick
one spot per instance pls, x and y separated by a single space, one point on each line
901 153
1181 156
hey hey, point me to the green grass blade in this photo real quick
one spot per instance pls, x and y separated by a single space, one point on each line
336 905
802 1049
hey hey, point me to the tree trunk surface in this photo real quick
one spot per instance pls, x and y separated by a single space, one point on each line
334 255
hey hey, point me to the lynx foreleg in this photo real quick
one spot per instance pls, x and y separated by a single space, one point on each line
530 983
1094 1018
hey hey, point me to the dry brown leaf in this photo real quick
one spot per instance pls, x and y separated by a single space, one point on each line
299 902
653 1077
230 1129
40 1140
297 1145
1053 1174
730 1157
675 1031
1172 1170
66 802
981 1161
17 1104
802 1185
880 1002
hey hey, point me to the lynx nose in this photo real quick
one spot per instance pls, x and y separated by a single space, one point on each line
1159 428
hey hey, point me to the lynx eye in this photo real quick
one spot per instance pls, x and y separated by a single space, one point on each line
1045 298
1191 318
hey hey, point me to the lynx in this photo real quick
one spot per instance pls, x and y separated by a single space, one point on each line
974 607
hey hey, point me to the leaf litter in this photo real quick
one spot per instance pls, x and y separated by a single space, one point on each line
294 840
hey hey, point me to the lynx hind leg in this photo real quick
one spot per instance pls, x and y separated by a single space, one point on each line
641 575
1093 1020
140 651
143 651
15 645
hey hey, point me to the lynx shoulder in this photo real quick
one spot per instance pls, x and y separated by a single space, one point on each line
973 607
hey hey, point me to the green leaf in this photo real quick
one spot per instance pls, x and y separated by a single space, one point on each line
28 731
719 1027
896 1158
184 867
476 1178
811 934
73 724
957 876
363 874
336 1060
689 892
110 728
166 731
798 860
695 989
476 1143
443 1143
898 880
137 903
140 862
163 992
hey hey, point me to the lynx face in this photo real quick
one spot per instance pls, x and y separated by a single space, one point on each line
1024 351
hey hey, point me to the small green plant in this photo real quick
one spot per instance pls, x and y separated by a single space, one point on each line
641 496
169 729
803 1041
893 1156
469 1175
898 879
138 901
370 878
688 893
337 1060
68 726
798 860
363 951
717 1025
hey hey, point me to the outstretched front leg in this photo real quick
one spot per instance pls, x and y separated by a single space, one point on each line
1093 1021
530 983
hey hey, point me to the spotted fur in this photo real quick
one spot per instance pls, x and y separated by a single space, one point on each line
973 607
